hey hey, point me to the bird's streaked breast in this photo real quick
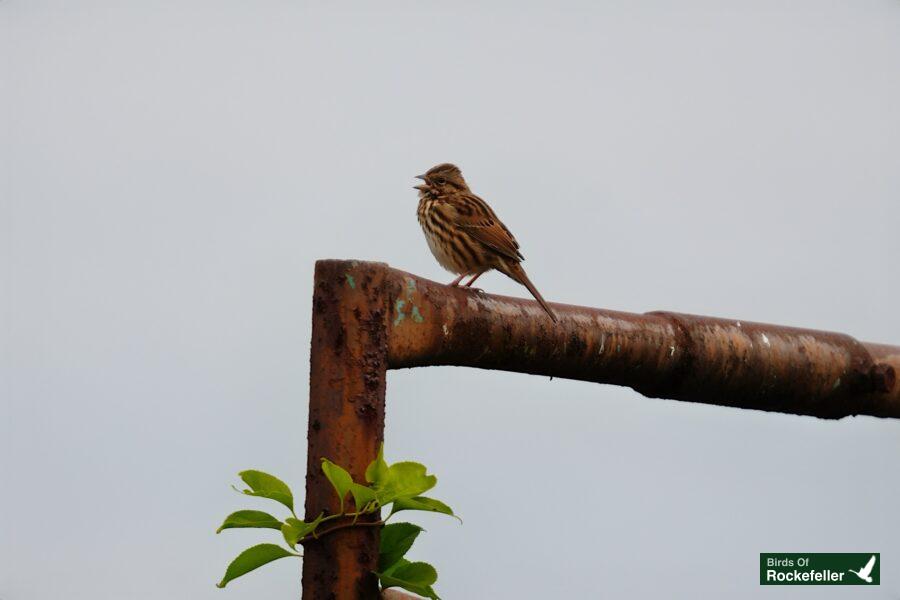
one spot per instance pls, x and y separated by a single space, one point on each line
453 248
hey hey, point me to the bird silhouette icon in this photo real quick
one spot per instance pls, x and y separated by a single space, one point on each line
866 572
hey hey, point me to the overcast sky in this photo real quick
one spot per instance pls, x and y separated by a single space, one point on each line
170 172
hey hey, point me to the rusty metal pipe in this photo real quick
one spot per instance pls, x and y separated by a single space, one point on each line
659 354
368 317
348 365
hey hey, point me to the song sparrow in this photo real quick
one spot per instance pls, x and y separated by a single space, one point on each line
464 234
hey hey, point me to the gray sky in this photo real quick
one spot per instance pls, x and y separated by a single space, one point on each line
171 170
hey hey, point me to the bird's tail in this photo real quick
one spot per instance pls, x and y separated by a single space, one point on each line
514 271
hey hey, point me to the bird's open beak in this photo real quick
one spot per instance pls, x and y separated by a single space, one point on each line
422 177
421 188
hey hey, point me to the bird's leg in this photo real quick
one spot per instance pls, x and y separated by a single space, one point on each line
478 291
456 281
471 281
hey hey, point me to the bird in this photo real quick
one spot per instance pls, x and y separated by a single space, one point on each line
866 572
464 234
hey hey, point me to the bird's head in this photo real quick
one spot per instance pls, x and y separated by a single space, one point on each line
441 180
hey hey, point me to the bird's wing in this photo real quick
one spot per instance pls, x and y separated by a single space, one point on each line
866 570
475 217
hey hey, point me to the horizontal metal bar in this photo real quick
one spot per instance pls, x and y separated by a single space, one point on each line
726 362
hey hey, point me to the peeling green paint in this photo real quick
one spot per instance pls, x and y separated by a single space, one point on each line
398 306
350 281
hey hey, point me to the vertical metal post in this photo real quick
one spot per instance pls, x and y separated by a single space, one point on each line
348 363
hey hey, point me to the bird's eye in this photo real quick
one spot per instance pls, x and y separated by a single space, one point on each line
441 181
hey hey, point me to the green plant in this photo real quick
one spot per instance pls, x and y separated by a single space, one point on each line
399 486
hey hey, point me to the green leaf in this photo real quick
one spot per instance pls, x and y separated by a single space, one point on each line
418 572
250 518
362 495
422 503
399 480
264 485
377 471
400 563
252 558
339 478
410 478
294 530
416 577
396 540
404 480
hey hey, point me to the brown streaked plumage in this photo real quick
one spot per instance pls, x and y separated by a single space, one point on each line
464 234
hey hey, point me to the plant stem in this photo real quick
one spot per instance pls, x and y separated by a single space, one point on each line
311 537
346 514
